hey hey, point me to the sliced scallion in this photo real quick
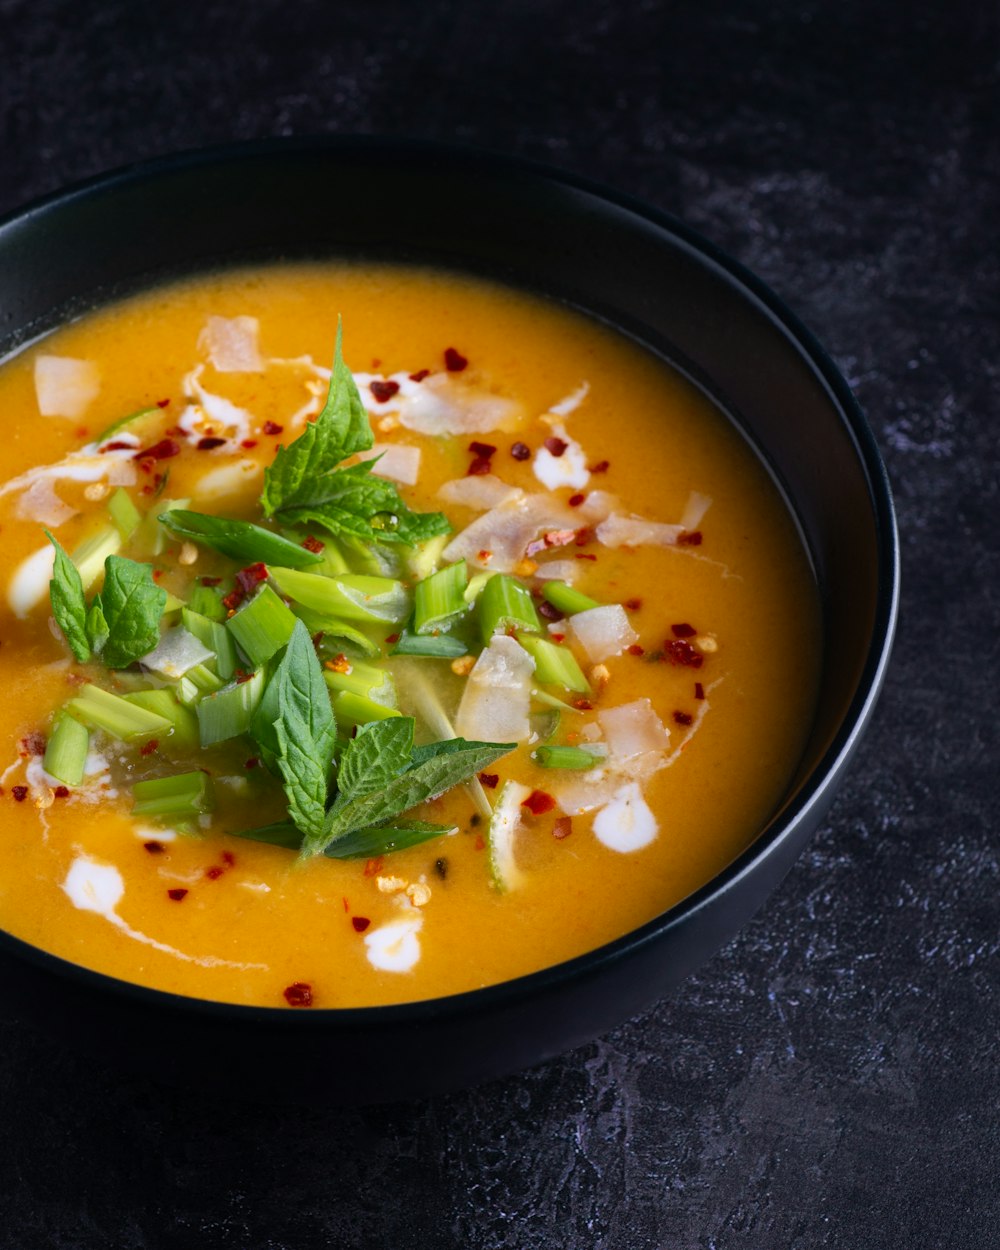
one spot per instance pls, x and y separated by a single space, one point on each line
116 715
215 636
184 724
124 514
566 599
356 709
66 750
262 626
436 646
179 797
565 757
506 604
196 683
554 665
364 679
438 599
207 601
89 557
228 712
349 596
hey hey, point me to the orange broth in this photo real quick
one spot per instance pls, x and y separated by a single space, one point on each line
252 921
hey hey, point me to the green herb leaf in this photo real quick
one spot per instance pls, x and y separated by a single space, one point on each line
355 501
380 751
239 539
131 604
305 732
69 604
361 844
341 429
452 762
97 628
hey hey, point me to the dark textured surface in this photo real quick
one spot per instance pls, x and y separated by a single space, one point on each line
831 1078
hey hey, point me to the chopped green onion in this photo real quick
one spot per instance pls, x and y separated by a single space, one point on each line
183 722
356 709
228 713
216 637
554 665
550 700
439 598
437 646
196 683
376 560
339 631
100 709
566 599
364 679
153 536
350 596
475 587
124 513
89 557
207 601
421 561
506 604
66 750
262 626
173 798
565 757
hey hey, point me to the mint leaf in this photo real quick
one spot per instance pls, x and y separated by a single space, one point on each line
131 605
238 539
356 501
380 752
341 429
361 844
432 776
69 605
97 627
305 731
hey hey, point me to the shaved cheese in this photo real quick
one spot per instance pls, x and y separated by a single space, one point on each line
598 505
443 405
634 531
398 462
496 700
695 508
41 503
497 539
484 491
30 583
231 344
557 570
568 469
215 411
626 824
602 632
227 479
633 730
176 653
65 387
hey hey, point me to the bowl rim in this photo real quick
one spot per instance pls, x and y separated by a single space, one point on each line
813 791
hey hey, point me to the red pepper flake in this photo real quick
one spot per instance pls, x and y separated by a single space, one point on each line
229 859
683 718
211 581
154 847
562 828
61 792
602 466
32 744
555 446
633 605
520 451
478 467
584 556
241 675
209 444
692 539
339 664
485 556
20 793
250 577
419 375
162 450
383 391
454 361
117 445
347 906
360 923
489 780
233 600
684 630
583 705
574 501
149 747
679 651
554 538
272 428
163 403
214 873
392 639
549 611
374 866
252 762
299 994
635 649
479 843
249 443
558 637
157 574
177 894
584 535
313 544
482 449
539 802
699 690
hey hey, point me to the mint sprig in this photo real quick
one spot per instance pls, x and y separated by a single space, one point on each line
69 603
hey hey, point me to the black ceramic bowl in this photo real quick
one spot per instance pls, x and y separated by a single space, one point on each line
641 271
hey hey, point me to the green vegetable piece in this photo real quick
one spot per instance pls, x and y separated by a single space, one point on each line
215 636
438 599
565 757
504 823
365 679
196 683
123 512
238 539
356 709
180 797
262 626
229 712
374 757
131 604
183 732
100 709
360 844
92 554
207 601
566 599
349 597
66 750
69 604
505 604
554 665
434 646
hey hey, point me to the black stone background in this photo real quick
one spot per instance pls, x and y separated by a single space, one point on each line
830 1078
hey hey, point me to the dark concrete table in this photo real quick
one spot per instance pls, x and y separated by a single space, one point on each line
830 1078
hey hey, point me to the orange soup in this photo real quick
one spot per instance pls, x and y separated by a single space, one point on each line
337 688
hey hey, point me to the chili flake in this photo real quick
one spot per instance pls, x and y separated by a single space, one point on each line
419 375
679 651
209 444
454 361
360 923
214 873
299 994
602 466
20 793
635 649
251 576
313 544
154 847
211 581
520 451
692 539
162 450
699 690
683 630
574 501
149 747
383 391
549 611
374 866
683 718
272 428
562 828
539 802
163 403
177 894
489 780
555 446
61 792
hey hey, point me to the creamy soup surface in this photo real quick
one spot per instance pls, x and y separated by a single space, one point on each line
575 456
